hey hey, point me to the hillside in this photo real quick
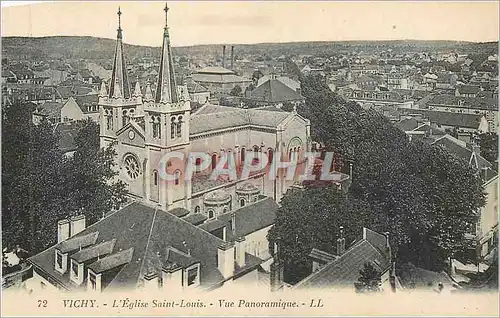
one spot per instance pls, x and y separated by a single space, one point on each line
77 47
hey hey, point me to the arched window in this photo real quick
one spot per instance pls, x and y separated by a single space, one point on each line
198 164
109 119
179 126
125 118
172 128
197 209
155 178
243 150
270 154
155 120
211 214
242 202
214 161
177 175
290 154
298 152
225 210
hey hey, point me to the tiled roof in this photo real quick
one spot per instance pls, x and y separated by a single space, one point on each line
274 91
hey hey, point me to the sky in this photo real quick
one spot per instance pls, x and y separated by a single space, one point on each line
231 22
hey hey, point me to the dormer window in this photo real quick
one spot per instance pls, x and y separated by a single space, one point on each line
76 272
94 281
61 261
192 276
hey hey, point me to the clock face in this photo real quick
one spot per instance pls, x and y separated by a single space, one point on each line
131 134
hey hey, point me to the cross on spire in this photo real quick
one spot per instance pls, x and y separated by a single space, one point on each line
119 13
119 17
166 14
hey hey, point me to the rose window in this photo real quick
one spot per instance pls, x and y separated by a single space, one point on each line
132 167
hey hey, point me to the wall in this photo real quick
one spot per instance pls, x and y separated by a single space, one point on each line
489 215
35 283
257 243
71 111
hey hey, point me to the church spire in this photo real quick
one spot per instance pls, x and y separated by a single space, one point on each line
166 91
119 76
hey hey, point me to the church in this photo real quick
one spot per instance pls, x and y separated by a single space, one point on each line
146 124
189 234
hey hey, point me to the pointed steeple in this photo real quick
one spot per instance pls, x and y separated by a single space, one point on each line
104 91
137 89
166 90
119 76
148 95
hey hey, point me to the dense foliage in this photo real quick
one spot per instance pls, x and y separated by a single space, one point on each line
41 186
425 197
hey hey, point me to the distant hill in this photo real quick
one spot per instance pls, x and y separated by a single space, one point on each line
78 47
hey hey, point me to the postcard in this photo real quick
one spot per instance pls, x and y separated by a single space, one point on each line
251 158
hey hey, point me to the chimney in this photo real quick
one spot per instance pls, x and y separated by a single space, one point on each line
341 242
240 247
225 259
276 270
224 56
63 230
172 277
232 57
77 224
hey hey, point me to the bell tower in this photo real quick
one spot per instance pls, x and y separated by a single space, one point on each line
116 103
166 115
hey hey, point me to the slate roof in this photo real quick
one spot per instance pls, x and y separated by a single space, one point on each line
83 101
274 91
50 109
211 117
248 219
464 151
196 218
344 270
444 100
215 74
451 119
407 124
95 251
142 235
468 89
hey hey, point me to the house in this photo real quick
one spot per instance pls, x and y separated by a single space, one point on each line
294 85
343 269
467 90
273 92
73 109
386 102
467 105
197 92
219 80
143 247
485 234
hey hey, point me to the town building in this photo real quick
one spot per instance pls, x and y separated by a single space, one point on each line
342 270
220 81
485 233
273 92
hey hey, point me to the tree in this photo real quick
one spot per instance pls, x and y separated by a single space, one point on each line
369 281
92 169
40 186
488 143
236 91
425 197
311 218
